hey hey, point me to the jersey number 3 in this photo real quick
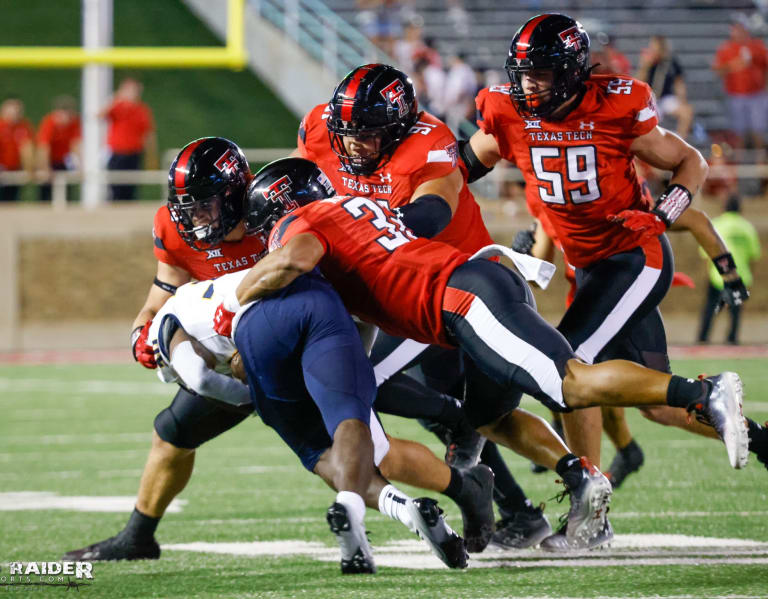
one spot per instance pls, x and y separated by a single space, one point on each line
395 234
581 163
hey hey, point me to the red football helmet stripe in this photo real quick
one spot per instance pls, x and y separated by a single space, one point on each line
181 172
525 36
350 92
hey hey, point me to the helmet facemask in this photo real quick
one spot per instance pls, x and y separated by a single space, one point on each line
388 138
567 81
203 223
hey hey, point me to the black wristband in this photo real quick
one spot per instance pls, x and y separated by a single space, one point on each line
475 168
165 286
672 203
724 263
135 334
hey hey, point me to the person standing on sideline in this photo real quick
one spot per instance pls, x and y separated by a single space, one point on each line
17 148
58 139
131 134
730 270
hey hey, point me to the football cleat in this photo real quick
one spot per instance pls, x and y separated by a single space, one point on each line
476 504
527 528
119 547
722 410
466 444
356 553
431 526
586 525
625 462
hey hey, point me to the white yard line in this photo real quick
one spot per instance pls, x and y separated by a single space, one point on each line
34 500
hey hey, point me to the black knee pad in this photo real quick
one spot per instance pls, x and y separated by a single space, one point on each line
191 420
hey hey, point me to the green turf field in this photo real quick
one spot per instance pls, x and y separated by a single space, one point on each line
83 431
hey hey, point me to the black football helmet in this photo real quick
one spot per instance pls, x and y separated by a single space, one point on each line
281 187
549 41
373 99
206 190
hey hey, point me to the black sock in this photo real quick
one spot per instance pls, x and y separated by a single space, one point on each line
758 440
452 413
570 469
629 447
507 494
140 526
683 392
453 490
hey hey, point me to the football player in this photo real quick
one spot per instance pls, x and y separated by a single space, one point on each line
372 141
430 292
575 138
201 234
311 381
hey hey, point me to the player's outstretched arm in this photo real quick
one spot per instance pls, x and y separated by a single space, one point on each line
281 267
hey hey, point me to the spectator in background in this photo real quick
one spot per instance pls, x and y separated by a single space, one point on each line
742 62
131 134
429 82
460 91
58 140
741 238
607 59
662 71
381 22
17 150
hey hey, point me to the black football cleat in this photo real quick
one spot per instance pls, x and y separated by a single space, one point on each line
466 444
119 547
527 528
625 462
431 526
476 504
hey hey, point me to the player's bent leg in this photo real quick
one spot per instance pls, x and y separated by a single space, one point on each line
186 424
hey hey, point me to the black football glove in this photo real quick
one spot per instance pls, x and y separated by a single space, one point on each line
734 293
524 241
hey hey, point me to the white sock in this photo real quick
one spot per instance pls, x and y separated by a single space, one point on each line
354 504
392 503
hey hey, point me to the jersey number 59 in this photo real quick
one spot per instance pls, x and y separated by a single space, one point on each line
581 168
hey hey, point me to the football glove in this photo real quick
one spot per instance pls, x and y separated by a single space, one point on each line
524 240
142 351
734 293
222 321
638 220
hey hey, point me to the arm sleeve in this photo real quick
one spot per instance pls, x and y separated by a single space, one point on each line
196 375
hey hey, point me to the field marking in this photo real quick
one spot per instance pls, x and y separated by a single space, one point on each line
86 386
626 550
83 438
36 500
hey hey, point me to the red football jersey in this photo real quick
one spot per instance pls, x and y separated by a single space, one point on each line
384 274
580 169
428 152
209 264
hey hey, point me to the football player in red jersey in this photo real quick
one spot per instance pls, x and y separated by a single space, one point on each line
201 234
575 138
372 140
428 291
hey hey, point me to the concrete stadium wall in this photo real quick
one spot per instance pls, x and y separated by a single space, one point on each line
76 279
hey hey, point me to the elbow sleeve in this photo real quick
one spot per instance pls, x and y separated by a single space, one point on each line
427 215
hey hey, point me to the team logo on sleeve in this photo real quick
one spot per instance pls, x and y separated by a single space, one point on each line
393 94
226 162
280 191
452 149
571 38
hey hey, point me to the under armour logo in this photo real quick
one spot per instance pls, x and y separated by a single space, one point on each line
214 253
532 124
586 125
385 177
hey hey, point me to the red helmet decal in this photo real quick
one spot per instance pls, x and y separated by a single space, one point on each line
571 38
394 93
226 162
279 192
